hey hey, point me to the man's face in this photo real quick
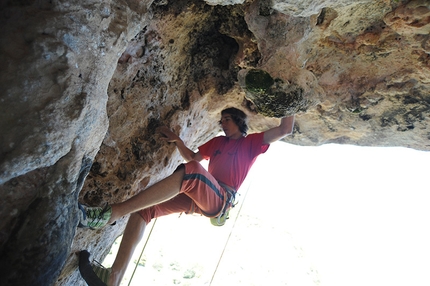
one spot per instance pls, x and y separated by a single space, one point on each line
229 127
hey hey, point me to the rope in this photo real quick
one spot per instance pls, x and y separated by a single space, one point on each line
228 238
141 253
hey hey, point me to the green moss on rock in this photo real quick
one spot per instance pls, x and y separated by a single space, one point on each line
274 97
258 81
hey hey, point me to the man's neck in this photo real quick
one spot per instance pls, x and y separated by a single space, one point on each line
235 136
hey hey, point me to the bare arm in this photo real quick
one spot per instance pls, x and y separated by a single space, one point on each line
279 132
185 152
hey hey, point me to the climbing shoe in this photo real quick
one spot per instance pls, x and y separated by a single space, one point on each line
220 220
94 217
101 272
94 275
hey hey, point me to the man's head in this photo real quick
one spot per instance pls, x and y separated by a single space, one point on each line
238 117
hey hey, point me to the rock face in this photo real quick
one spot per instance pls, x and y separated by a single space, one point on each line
86 84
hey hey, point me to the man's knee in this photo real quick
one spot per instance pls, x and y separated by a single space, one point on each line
136 219
145 215
193 165
180 169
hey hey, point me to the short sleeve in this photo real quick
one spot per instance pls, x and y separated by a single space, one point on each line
207 149
257 144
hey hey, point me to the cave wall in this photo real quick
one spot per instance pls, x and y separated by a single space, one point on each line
86 84
57 61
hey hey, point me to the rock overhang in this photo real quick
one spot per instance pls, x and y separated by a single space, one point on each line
126 68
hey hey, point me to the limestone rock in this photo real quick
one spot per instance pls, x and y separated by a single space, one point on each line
410 18
310 7
86 84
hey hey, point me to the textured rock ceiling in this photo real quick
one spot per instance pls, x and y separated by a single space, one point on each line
86 83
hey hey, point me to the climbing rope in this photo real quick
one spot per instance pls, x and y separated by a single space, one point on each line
141 253
229 235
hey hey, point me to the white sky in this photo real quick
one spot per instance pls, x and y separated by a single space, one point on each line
333 215
360 215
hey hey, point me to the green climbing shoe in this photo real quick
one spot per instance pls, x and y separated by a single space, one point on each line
94 217
220 220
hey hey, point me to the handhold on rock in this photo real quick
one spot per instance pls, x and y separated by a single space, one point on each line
272 97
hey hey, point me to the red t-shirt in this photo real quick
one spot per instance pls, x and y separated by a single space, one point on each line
230 160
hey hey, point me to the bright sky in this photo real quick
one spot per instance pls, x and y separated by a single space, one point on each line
359 215
334 215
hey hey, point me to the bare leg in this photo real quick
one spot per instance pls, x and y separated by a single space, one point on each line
157 193
132 235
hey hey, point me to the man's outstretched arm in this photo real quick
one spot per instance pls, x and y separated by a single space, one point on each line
279 132
185 152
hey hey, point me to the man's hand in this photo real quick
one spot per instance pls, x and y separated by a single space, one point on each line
168 134
279 132
171 137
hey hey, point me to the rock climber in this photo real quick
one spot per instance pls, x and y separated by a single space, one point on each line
190 189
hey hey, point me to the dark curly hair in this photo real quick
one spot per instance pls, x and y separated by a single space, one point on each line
239 117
